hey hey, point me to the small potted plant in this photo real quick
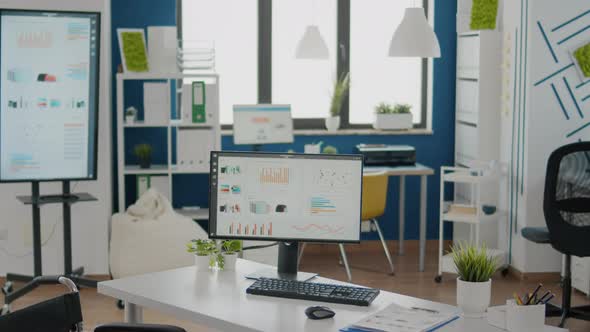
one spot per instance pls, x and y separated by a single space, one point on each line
130 114
329 149
143 152
340 91
394 117
229 254
205 253
475 267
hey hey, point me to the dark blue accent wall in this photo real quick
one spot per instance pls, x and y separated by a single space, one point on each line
433 150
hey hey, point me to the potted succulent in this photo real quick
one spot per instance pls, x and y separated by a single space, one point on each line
475 267
229 254
340 91
130 114
394 117
143 152
205 253
329 149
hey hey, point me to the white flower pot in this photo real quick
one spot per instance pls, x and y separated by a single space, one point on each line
474 297
202 262
312 148
332 123
230 262
129 118
393 121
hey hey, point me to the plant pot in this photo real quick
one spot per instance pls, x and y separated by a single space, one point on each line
145 162
332 123
129 119
312 148
203 263
229 261
393 121
474 297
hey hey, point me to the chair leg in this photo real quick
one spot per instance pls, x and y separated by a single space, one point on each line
345 260
566 302
387 254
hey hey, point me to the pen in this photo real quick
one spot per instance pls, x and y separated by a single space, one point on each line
517 298
542 297
534 294
426 309
549 298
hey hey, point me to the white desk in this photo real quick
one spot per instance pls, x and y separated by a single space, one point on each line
402 172
219 300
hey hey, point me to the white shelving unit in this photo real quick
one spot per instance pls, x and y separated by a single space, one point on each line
477 115
467 211
581 274
211 128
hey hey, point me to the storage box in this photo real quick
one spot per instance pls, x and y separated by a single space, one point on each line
156 103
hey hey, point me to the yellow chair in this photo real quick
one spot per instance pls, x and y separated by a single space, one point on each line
373 206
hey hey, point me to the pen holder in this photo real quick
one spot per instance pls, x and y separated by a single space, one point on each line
524 318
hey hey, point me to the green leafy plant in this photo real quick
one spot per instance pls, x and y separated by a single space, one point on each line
385 108
473 263
130 112
231 246
329 149
204 248
483 14
402 109
143 152
340 91
582 56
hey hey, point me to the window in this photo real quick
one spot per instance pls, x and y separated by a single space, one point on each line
255 42
376 77
233 26
305 84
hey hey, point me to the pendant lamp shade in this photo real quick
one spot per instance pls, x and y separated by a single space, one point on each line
312 45
414 37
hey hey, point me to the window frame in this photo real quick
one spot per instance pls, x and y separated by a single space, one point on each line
342 64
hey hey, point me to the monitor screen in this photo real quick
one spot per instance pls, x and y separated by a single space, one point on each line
263 124
48 95
286 197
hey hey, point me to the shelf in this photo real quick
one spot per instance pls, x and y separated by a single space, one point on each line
200 214
154 169
448 265
468 214
466 177
176 170
141 124
164 76
180 124
172 123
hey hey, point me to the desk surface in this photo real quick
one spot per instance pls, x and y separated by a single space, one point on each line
219 300
417 169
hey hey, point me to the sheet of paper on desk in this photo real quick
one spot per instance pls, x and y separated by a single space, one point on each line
395 318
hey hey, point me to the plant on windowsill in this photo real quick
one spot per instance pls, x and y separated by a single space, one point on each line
340 91
329 149
229 254
396 117
206 253
475 266
143 152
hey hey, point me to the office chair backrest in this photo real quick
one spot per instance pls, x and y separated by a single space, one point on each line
374 195
60 314
566 203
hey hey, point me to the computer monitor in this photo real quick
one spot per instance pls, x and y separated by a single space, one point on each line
49 68
285 197
262 124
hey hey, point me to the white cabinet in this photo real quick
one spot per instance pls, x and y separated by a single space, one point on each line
581 274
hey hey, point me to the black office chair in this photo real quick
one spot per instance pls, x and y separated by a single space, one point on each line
566 206
64 314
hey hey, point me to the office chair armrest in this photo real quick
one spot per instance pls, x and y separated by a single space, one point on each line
123 327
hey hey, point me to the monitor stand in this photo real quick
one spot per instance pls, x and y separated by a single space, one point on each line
286 267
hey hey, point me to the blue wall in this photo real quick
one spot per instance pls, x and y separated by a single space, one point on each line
433 150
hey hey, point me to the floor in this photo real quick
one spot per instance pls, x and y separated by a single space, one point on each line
369 268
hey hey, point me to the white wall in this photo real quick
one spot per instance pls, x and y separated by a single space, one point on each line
89 220
542 125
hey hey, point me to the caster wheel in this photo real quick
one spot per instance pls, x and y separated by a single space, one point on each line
5 310
438 279
505 272
7 288
120 304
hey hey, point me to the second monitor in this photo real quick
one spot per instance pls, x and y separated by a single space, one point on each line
285 197
263 124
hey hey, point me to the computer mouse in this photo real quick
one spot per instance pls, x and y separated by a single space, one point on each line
319 312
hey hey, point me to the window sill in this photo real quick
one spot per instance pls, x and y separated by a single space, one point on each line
349 132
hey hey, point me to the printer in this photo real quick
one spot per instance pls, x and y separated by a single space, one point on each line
387 155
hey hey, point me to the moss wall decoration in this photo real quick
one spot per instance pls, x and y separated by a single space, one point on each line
483 14
582 56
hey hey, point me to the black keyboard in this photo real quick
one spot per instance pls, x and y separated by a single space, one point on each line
313 291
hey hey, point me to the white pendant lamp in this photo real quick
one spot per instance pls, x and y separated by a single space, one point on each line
312 45
414 37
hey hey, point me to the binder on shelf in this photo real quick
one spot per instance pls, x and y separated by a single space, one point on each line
156 103
198 102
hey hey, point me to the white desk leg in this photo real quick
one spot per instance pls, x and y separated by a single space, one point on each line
423 204
133 313
402 212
